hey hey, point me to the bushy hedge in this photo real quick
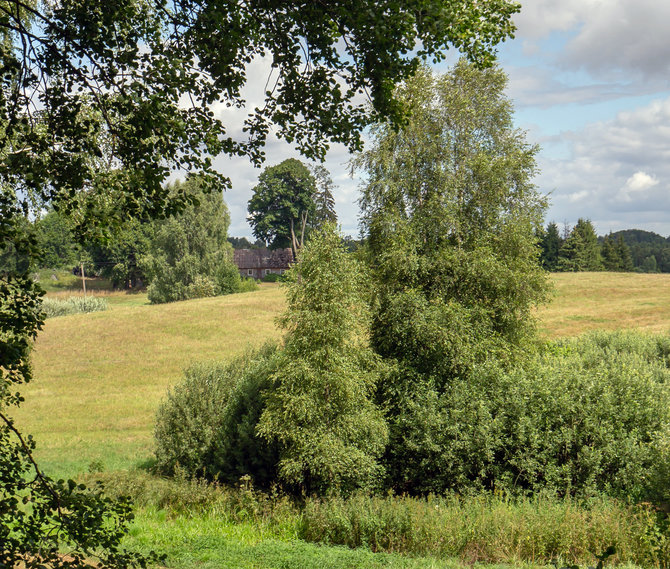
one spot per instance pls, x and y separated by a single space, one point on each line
586 416
207 425
74 305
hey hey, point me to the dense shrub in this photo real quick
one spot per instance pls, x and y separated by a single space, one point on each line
74 305
587 416
248 285
207 425
273 278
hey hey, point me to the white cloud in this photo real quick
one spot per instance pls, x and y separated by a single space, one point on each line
618 172
638 182
607 38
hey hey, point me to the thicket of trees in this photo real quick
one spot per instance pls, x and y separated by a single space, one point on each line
93 122
431 377
189 255
581 250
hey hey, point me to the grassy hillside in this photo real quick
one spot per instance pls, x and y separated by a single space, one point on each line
606 301
99 377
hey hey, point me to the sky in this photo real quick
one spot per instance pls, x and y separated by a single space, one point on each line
590 83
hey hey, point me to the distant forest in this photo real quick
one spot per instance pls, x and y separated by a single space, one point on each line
579 249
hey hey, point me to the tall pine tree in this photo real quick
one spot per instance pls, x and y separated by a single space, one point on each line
580 251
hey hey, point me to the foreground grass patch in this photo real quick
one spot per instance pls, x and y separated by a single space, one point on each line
212 542
194 522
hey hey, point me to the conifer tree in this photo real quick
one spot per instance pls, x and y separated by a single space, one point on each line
610 254
551 244
323 196
580 251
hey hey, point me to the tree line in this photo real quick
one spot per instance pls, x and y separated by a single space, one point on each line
580 249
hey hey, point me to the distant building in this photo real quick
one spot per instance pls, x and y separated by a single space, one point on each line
257 263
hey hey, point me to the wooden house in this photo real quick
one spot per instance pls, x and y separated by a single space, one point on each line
258 263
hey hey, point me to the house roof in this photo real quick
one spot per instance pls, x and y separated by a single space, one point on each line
263 258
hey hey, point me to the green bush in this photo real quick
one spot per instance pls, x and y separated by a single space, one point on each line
587 416
248 285
74 305
207 425
273 278
201 287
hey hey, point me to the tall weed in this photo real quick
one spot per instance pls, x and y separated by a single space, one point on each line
74 305
491 529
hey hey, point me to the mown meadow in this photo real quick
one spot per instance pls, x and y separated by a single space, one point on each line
100 377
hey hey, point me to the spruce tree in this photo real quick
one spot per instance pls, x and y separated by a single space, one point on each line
610 254
626 260
550 244
580 251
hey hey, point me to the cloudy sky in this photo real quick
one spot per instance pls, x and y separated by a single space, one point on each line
590 80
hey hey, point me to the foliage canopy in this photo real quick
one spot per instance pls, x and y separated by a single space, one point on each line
283 204
189 254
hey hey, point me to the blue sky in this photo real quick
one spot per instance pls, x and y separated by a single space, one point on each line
590 81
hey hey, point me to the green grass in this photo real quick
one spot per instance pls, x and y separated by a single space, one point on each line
61 281
210 541
99 377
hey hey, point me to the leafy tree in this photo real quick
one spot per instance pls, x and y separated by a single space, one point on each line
450 213
580 251
320 411
283 204
551 244
119 256
56 243
649 265
189 253
136 62
323 196
244 243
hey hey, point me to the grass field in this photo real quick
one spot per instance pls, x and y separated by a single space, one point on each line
610 301
99 378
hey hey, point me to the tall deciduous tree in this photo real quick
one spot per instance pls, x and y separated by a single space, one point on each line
451 213
283 205
189 255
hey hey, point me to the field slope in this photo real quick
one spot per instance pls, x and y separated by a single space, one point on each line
100 377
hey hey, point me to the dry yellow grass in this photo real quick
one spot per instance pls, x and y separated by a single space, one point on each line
99 377
606 301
